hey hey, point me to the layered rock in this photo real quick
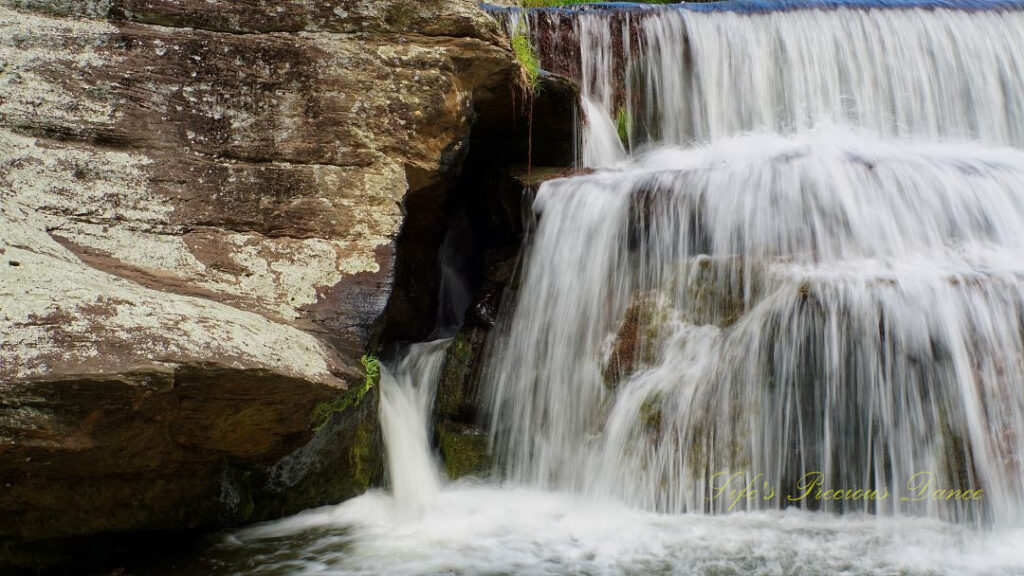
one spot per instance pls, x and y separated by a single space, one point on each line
199 208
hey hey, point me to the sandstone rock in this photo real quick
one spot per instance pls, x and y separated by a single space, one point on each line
457 18
199 207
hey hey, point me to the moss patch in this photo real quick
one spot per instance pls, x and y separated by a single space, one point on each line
624 126
651 417
361 459
464 451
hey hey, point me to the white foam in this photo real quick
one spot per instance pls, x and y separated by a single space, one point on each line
477 529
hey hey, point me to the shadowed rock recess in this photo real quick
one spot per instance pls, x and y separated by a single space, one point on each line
203 211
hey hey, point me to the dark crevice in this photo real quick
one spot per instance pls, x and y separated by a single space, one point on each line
465 230
457 254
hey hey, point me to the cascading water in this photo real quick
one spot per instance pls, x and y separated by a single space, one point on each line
786 337
696 73
406 400
830 303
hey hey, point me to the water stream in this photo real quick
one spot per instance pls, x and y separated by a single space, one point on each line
780 330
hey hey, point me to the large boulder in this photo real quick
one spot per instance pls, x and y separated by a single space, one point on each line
200 203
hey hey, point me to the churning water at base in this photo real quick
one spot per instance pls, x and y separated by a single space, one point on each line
489 530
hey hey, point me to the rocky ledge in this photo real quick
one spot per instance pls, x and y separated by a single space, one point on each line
201 204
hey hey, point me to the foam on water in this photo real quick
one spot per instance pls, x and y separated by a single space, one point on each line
494 530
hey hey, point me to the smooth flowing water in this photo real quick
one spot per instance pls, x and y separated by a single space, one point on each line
780 330
702 72
406 399
775 307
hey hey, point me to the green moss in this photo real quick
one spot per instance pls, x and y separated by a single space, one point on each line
464 451
360 459
527 57
624 126
323 411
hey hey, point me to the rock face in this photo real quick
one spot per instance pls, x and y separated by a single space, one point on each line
200 204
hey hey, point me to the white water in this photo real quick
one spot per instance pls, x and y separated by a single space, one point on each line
601 143
829 302
840 291
688 77
406 400
512 531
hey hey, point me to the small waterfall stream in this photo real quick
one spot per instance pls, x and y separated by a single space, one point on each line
406 400
779 330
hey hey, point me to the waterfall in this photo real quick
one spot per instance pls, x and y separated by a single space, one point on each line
778 329
826 287
406 400
830 303
699 72
601 143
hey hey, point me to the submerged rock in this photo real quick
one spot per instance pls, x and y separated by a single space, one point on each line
701 291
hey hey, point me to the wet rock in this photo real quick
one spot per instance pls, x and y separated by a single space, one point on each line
461 440
702 291
458 389
715 289
636 338
464 450
555 107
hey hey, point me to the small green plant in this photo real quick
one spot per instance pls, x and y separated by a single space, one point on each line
371 366
527 57
323 411
624 125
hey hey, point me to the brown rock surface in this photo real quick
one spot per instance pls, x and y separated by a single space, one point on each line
199 206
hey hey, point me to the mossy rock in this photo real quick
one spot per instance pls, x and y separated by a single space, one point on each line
464 450
715 290
457 390
637 338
